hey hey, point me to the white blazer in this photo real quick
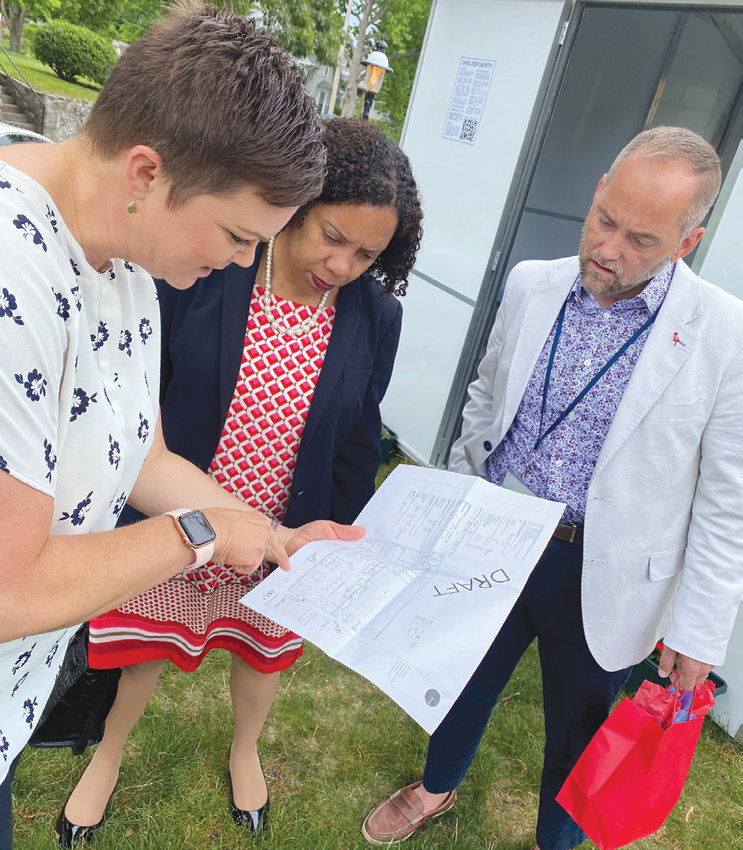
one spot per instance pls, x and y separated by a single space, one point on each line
663 538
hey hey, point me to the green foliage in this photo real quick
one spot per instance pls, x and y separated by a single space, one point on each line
136 17
43 79
402 25
96 15
403 28
126 20
40 10
72 51
29 34
305 27
16 12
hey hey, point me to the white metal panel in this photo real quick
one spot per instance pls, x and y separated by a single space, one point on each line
728 710
464 189
433 327
716 260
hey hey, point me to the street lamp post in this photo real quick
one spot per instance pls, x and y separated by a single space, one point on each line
376 67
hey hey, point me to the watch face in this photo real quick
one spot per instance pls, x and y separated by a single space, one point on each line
197 528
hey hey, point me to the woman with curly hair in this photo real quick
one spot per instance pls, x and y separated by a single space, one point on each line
272 380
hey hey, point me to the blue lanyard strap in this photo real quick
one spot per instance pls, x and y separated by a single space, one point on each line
590 385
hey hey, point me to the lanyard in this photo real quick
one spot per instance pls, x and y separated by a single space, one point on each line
589 386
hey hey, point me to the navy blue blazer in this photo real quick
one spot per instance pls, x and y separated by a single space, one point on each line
203 333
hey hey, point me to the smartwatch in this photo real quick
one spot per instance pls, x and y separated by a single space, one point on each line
196 532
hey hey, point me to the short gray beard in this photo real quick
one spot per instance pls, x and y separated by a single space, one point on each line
618 284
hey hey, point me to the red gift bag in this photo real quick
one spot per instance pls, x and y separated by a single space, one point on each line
633 770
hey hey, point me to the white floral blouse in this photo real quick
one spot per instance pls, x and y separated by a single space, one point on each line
79 374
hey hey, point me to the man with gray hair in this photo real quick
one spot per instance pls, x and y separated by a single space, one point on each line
612 382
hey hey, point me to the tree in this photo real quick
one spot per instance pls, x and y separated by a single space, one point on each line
97 15
404 29
136 17
305 27
402 24
15 15
369 14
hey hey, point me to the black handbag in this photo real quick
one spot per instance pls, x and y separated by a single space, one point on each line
76 711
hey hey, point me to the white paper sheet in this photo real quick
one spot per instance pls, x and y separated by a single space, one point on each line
415 605
467 102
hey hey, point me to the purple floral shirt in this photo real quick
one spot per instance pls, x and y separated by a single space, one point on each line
561 469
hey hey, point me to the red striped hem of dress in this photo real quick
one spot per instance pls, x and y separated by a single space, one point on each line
111 646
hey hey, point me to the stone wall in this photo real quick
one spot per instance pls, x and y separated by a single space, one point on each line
64 116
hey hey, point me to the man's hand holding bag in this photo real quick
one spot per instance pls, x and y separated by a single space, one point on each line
632 772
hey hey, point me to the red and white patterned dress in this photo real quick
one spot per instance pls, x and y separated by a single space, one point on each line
199 610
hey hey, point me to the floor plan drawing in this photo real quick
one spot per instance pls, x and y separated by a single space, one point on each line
444 555
364 595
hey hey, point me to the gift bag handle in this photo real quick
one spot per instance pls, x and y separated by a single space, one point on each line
682 704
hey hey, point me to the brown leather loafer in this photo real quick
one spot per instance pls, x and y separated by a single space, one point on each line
400 815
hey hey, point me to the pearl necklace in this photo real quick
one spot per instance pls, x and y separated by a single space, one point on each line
304 326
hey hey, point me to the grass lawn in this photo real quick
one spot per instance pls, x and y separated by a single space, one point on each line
42 78
333 746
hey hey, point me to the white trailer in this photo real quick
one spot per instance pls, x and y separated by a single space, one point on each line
518 108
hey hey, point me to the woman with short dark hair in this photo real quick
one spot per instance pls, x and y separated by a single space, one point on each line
202 143
279 401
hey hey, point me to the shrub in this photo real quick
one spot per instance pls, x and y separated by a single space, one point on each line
72 51
27 39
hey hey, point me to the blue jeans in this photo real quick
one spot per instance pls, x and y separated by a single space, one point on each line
578 694
6 807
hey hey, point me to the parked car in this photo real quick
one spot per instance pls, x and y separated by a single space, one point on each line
11 135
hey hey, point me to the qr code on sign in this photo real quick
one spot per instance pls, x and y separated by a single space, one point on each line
469 130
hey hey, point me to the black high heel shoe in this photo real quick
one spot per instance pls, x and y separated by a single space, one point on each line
72 835
254 820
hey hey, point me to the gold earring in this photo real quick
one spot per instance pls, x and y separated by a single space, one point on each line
132 208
